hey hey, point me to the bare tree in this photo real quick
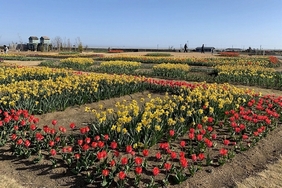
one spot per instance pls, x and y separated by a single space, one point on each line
86 47
57 41
79 44
21 42
69 45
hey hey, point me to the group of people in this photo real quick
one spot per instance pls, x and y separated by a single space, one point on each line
6 49
202 49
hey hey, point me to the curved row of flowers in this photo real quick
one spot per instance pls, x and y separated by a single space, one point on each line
262 61
152 142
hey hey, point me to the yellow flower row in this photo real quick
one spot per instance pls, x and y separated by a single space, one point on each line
263 61
14 72
72 83
250 70
121 64
81 61
170 66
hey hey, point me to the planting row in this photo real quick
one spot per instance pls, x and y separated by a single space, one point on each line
242 71
56 90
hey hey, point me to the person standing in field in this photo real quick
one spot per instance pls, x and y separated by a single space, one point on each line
203 50
5 49
185 48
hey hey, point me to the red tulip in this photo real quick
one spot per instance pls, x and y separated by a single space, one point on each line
183 162
106 137
77 156
156 171
112 163
16 127
62 129
100 144
57 139
51 143
171 133
116 153
182 144
97 138
105 172
54 122
80 142
39 136
191 136
138 161
32 127
223 152
128 149
122 175
14 136
20 141
194 157
226 142
138 170
199 126
158 155
53 152
199 137
181 154
245 137
167 166
27 143
113 145
145 152
87 140
124 161
85 147
72 125
201 156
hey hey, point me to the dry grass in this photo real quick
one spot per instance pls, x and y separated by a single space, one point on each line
269 178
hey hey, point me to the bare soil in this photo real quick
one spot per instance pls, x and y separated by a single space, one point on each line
260 166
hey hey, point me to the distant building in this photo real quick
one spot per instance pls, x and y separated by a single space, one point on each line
32 43
35 45
233 50
44 43
206 49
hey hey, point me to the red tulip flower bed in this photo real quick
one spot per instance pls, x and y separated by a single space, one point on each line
106 162
229 54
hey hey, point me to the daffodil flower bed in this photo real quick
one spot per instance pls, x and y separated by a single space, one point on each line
17 73
263 61
76 62
20 57
47 95
249 74
119 67
171 70
195 126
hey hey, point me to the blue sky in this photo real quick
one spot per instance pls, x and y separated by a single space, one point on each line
145 23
